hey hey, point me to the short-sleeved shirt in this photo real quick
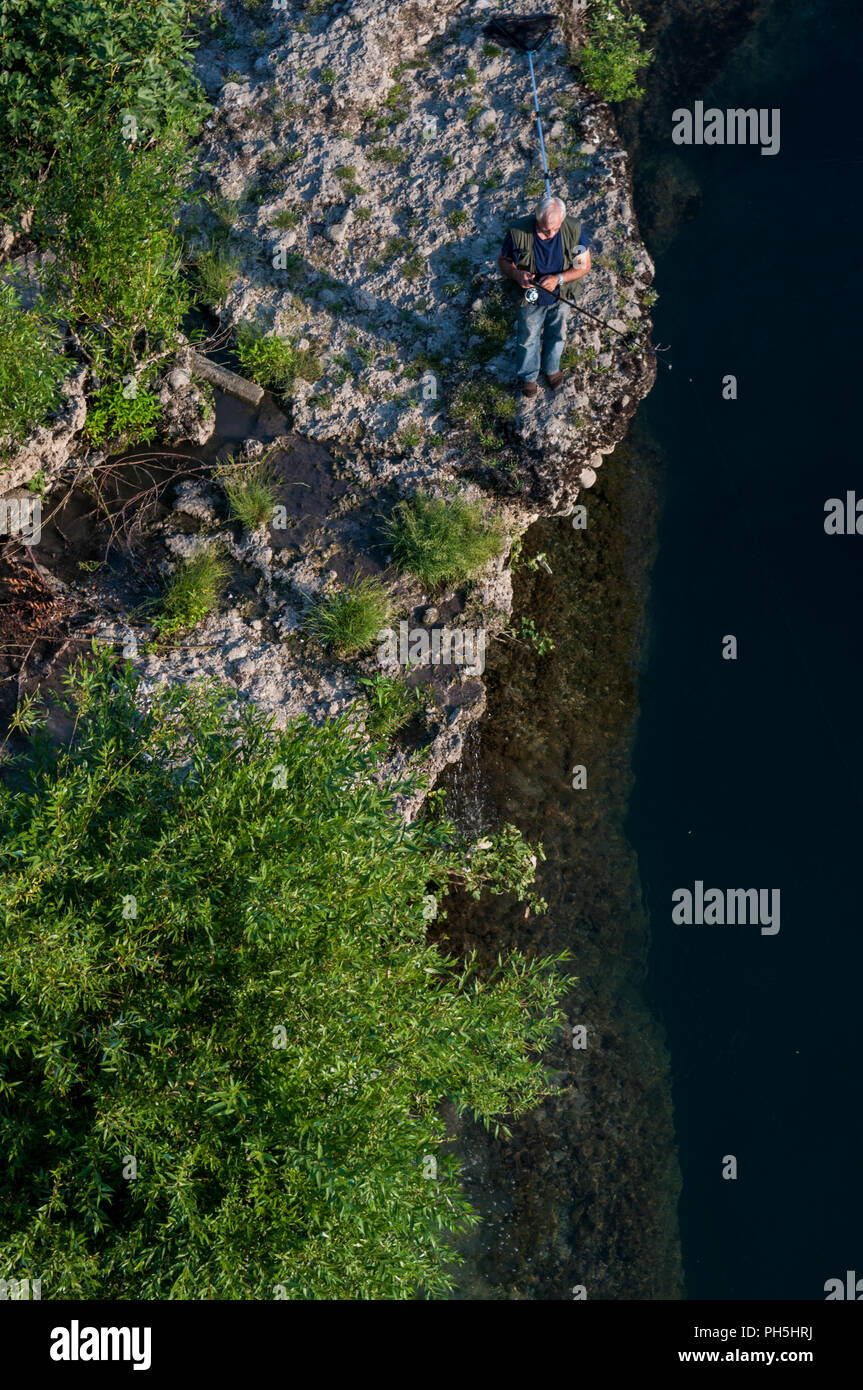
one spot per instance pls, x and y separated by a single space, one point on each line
548 256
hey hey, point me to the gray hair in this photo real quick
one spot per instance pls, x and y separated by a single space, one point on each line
543 207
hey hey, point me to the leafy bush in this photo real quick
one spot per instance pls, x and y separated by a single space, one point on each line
109 214
274 362
391 704
350 619
610 60
442 540
113 414
192 592
250 492
31 368
73 67
220 969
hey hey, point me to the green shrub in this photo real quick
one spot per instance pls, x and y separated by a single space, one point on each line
119 412
442 540
192 592
73 69
109 214
457 218
350 619
216 960
32 367
610 60
274 362
391 704
251 494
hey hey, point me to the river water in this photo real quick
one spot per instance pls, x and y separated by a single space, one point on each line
748 772
740 773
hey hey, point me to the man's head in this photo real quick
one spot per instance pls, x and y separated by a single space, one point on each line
549 216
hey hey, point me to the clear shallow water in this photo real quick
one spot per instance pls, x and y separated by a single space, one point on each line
749 773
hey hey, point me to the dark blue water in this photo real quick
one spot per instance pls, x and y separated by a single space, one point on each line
749 772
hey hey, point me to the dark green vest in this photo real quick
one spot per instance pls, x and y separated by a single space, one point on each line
522 238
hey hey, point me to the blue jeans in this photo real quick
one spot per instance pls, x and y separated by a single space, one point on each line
540 326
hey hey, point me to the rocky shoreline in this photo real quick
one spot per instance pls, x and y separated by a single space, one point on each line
371 157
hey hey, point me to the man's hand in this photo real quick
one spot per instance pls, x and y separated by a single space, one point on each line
548 282
522 278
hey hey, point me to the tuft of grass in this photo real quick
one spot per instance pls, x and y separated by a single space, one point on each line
328 76
250 491
191 593
457 218
274 362
391 704
214 271
349 620
286 219
386 154
442 540
225 211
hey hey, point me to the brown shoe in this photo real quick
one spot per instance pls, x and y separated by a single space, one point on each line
529 388
555 381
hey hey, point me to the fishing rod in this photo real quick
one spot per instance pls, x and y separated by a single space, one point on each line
531 296
528 35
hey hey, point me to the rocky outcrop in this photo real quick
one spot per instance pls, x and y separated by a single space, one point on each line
50 449
374 157
361 165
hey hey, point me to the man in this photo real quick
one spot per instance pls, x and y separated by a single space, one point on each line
549 251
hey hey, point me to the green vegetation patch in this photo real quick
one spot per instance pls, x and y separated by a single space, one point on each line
32 367
391 704
251 492
192 592
485 408
349 620
442 540
274 362
216 962
74 68
610 60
